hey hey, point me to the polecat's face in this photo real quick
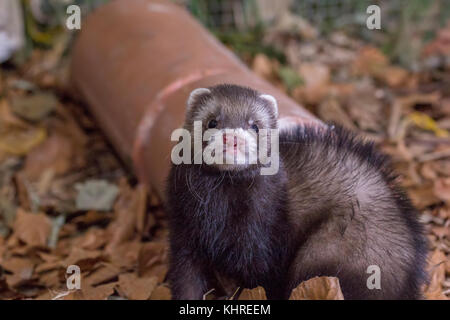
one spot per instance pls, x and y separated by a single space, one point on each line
232 120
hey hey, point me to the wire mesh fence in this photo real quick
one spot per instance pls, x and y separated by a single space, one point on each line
406 25
225 15
325 14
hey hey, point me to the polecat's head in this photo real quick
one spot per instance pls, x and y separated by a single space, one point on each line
232 120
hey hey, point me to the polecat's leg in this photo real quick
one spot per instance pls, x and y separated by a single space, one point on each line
189 280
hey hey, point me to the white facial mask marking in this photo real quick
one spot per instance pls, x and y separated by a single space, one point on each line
239 146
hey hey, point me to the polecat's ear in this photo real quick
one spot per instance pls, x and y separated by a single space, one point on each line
272 101
195 95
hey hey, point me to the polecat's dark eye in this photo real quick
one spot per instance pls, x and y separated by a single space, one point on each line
255 127
212 124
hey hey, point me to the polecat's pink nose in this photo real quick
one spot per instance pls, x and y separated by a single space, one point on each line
225 138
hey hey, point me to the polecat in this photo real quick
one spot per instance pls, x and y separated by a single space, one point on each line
332 209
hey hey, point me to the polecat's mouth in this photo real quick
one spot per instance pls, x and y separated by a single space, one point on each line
231 148
231 144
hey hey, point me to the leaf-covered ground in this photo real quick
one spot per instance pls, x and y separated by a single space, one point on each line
66 199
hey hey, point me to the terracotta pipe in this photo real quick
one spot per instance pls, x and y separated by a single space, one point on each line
135 63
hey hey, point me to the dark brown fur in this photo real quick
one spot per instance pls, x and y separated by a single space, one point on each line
332 209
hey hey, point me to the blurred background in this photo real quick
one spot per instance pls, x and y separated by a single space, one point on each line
407 25
391 85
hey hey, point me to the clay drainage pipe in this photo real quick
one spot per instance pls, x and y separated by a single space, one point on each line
135 63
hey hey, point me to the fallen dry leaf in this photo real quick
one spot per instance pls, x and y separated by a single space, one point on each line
92 217
106 272
330 110
393 76
426 122
257 293
50 279
48 266
85 259
32 228
8 119
21 268
318 288
135 288
16 136
93 239
422 196
125 255
441 232
369 61
96 195
161 292
262 66
442 189
91 293
436 269
34 107
316 77
56 153
130 210
365 109
153 260
444 212
21 141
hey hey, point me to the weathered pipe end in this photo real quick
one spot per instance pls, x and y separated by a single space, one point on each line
135 63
